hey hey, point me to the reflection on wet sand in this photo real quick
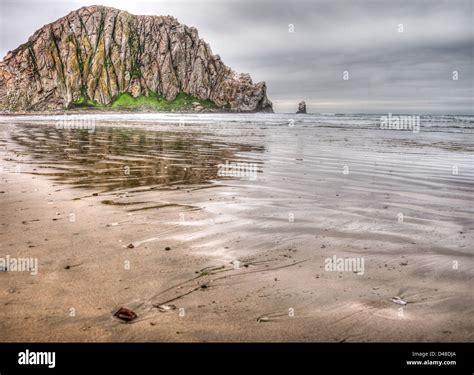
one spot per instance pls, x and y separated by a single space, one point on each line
117 158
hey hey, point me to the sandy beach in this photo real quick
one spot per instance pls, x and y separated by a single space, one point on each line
136 215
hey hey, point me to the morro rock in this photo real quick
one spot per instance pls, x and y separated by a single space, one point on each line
301 107
96 54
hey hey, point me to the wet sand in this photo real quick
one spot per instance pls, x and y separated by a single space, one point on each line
231 259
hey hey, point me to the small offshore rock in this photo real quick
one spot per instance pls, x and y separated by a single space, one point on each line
301 107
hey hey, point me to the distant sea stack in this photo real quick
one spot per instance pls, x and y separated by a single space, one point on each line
301 107
103 57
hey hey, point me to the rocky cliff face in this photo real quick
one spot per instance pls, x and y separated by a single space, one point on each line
97 53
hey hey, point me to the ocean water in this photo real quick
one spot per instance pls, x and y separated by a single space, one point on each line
443 143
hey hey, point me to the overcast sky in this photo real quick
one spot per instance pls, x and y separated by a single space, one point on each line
389 71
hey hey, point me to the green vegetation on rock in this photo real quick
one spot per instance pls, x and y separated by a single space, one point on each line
182 102
126 102
86 102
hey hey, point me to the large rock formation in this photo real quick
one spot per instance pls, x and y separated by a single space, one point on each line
96 53
301 107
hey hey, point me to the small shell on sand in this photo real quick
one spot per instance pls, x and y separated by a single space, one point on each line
398 301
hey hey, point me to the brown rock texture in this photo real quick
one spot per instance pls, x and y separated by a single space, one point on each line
98 52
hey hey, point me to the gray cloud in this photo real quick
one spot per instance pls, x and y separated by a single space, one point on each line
389 71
